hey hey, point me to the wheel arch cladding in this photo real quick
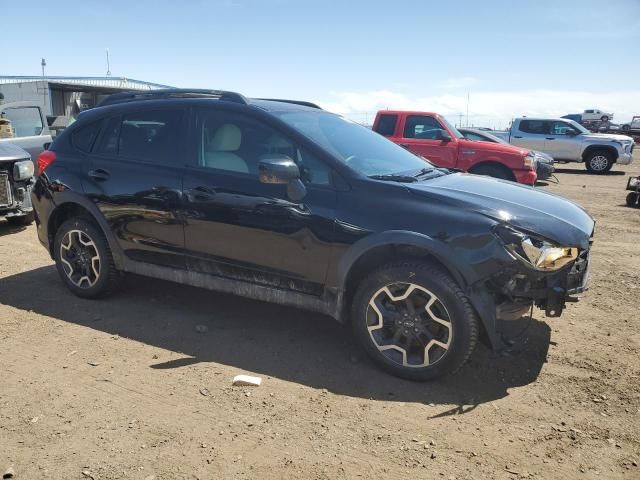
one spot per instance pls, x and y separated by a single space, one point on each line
80 207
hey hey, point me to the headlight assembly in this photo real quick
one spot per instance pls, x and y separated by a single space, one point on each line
536 252
23 170
530 161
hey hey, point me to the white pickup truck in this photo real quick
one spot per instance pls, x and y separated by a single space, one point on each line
568 141
28 125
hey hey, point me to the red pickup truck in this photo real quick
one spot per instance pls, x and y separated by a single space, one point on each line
430 135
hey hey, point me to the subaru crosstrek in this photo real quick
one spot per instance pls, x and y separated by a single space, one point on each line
281 201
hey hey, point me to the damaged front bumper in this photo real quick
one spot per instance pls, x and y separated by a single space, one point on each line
15 197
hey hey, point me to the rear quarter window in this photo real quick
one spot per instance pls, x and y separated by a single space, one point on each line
84 137
387 125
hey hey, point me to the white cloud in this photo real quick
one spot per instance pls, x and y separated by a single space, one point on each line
489 108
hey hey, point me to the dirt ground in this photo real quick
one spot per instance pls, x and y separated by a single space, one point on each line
129 388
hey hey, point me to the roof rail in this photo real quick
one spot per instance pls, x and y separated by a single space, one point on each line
136 95
295 102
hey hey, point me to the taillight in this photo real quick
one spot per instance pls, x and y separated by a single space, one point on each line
45 159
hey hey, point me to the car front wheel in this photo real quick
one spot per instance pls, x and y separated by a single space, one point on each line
84 260
414 320
599 162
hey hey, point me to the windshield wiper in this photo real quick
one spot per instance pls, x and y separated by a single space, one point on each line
395 178
422 172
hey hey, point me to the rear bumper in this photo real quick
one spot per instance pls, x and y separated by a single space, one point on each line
527 177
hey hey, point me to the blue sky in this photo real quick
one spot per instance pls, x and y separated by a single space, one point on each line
352 56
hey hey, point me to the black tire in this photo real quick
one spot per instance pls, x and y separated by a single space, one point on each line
625 128
493 171
599 161
604 118
22 221
460 337
107 278
633 199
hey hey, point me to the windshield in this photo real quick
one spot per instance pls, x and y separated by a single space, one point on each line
577 126
361 149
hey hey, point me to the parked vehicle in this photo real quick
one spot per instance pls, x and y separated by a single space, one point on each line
16 181
544 162
568 141
596 114
632 126
633 197
29 125
430 135
283 202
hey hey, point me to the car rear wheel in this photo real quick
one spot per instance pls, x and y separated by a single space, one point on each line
633 199
84 260
493 171
414 321
604 118
599 161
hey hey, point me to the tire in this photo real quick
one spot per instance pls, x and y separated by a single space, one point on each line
633 199
604 118
625 128
493 171
77 243
448 330
22 221
599 162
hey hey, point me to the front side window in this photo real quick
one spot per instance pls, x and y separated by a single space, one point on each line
421 127
236 143
561 128
26 121
360 148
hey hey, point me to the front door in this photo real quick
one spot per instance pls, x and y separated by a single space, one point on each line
239 228
134 176
561 142
421 135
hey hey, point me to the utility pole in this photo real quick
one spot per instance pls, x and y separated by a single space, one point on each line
467 109
108 66
43 63
460 120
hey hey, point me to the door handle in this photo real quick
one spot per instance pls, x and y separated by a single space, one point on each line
517 136
201 193
549 138
99 174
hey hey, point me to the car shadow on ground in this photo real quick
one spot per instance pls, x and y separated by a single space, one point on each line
8 229
572 171
271 340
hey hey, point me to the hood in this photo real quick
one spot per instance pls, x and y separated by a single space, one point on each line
525 208
607 137
502 148
11 153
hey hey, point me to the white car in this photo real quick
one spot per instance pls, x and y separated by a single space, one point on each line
595 114
634 124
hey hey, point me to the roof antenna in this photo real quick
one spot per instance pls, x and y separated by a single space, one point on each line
108 66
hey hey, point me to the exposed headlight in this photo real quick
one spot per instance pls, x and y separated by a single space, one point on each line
23 170
530 161
536 252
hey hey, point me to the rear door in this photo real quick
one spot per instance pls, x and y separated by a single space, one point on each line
134 176
530 134
420 136
562 142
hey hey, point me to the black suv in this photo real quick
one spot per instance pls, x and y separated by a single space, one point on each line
281 201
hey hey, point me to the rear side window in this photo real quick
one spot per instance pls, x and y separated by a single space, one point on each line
387 125
534 126
150 136
84 137
420 127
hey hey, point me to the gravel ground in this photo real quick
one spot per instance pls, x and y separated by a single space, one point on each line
129 388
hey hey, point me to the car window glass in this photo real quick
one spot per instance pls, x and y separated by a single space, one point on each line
151 136
26 121
84 137
387 125
474 136
236 143
108 143
534 126
421 127
560 128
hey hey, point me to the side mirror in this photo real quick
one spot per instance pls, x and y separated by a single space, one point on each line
444 135
280 169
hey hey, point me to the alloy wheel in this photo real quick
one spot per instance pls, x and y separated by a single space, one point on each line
599 163
80 258
409 325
